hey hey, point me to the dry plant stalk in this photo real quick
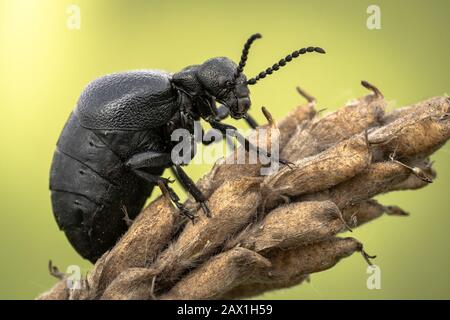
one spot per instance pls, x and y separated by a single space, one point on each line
271 232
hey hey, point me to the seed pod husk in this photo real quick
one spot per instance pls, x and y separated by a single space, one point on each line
321 133
287 264
292 266
248 290
366 211
218 275
196 241
339 163
146 237
375 180
417 134
292 225
295 249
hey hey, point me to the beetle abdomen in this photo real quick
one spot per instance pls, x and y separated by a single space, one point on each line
90 191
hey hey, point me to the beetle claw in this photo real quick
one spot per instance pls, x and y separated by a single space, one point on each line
206 210
169 180
291 165
188 214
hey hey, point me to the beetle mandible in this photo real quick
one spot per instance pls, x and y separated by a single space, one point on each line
116 143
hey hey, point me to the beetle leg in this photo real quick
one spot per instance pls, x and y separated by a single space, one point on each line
151 177
251 121
227 129
149 159
190 186
216 138
171 194
163 184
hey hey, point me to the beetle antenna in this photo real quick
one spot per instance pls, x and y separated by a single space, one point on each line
283 62
244 55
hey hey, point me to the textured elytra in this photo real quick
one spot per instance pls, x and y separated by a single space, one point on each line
245 247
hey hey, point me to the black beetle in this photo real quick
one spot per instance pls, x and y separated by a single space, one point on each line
116 143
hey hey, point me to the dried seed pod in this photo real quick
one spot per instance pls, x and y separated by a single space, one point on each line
146 237
366 211
322 171
248 290
396 114
379 178
321 133
416 135
300 261
298 117
208 183
292 266
218 275
375 180
58 292
433 105
89 287
292 225
233 204
131 284
230 215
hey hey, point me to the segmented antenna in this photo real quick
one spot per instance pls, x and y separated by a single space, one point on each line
283 62
244 55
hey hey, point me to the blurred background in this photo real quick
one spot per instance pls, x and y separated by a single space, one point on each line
49 51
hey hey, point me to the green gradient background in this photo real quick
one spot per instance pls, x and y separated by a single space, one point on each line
44 67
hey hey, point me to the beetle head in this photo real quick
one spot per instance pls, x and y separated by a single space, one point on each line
217 76
224 80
